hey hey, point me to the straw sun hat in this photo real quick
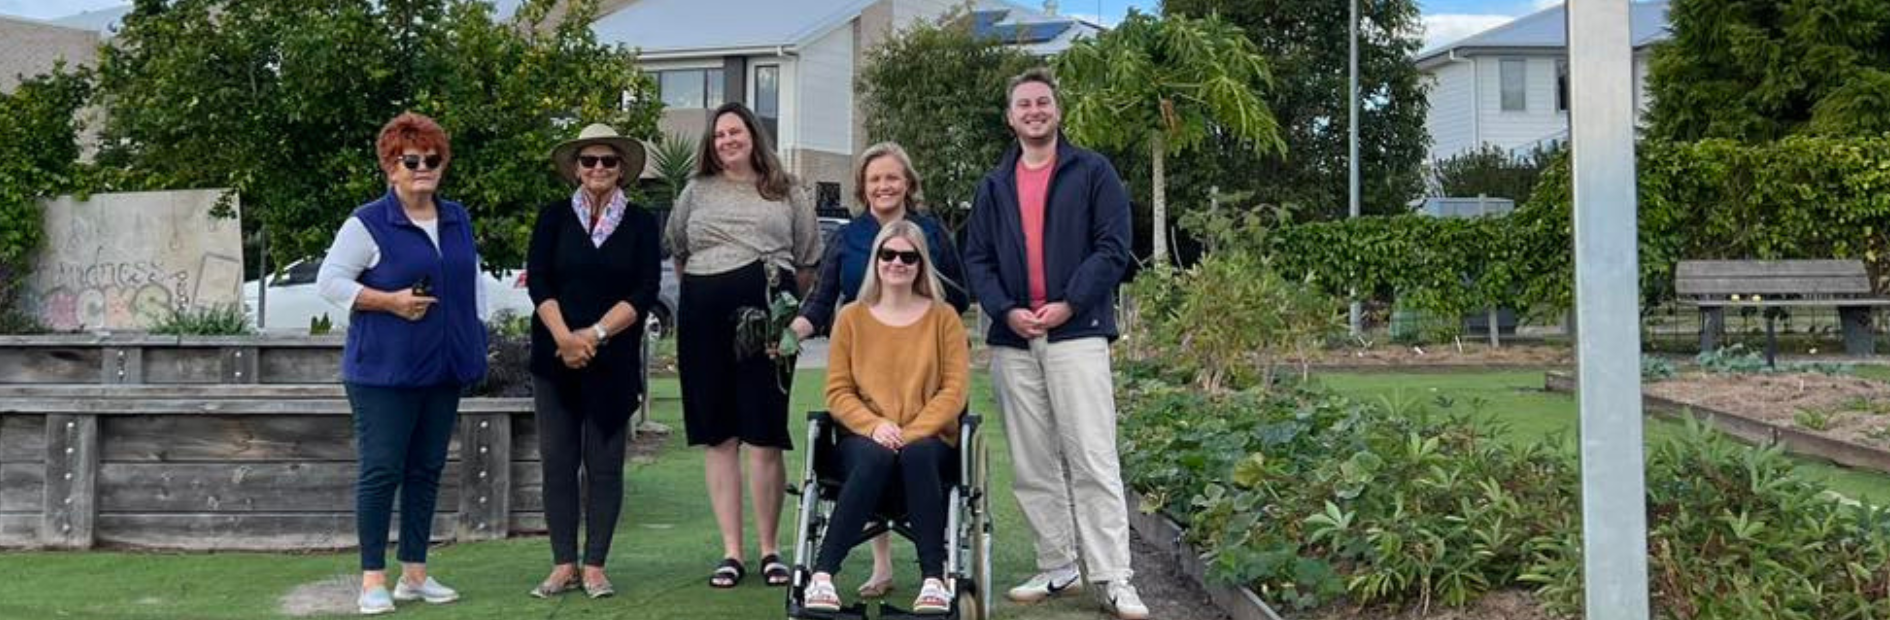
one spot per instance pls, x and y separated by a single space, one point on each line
565 154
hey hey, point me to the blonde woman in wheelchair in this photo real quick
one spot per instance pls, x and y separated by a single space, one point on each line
897 378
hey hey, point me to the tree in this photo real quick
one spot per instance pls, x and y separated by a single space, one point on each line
1167 85
39 155
1305 42
938 91
281 101
674 156
1492 171
1760 70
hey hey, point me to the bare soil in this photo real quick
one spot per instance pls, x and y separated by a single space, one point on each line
1840 407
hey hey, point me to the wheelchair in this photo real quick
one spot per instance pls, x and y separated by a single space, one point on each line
968 523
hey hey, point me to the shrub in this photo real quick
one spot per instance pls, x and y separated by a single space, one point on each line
216 320
1309 496
1237 319
1735 534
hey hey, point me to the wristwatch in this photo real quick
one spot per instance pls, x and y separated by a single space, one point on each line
602 334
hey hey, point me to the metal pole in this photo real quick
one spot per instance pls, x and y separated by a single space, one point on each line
1483 210
1614 511
262 282
1351 94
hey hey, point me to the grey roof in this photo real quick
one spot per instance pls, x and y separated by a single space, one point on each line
1647 23
707 25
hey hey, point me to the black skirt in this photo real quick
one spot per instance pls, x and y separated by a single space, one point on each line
724 398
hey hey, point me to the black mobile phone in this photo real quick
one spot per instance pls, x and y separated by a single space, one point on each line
423 287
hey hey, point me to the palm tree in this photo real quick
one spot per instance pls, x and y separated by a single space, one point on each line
674 156
1167 85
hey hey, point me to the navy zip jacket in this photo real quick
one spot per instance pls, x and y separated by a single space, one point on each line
1086 245
843 269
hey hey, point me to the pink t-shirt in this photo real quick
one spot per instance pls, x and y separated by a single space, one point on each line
1033 189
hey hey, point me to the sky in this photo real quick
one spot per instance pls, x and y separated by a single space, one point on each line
1444 20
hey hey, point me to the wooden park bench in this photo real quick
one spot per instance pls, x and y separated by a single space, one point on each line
1715 285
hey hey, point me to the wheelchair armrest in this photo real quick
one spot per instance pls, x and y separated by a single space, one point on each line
970 421
820 416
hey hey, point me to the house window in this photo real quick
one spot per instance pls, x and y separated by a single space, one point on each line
691 88
1514 78
1561 86
768 99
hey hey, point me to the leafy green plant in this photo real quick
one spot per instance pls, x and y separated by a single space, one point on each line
1657 368
320 325
1311 497
39 155
508 357
674 157
1238 319
1492 171
1167 84
1737 359
1813 419
216 320
1735 533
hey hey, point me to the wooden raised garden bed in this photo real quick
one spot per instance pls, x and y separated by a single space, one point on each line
176 443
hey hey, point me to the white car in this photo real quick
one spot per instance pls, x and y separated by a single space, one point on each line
294 303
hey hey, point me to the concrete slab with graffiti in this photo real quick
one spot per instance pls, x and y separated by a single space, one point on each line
128 261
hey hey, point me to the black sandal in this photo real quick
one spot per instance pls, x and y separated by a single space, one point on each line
774 571
728 574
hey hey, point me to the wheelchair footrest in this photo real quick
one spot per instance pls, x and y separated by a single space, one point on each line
858 611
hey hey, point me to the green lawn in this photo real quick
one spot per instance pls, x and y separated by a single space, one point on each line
1516 401
665 546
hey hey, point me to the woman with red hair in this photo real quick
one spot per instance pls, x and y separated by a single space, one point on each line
405 267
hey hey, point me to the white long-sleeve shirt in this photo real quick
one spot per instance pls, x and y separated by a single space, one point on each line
355 251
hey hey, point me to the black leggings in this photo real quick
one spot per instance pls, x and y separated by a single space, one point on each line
568 437
869 468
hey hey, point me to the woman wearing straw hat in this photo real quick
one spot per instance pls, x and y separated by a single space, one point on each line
593 272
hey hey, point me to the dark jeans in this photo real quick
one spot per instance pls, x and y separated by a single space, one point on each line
401 435
869 468
569 435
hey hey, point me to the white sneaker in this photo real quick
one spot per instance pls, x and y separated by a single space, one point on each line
1054 582
375 601
430 591
1124 602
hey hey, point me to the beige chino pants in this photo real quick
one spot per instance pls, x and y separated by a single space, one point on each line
1059 408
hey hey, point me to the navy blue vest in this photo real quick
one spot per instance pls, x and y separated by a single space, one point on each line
448 346
858 235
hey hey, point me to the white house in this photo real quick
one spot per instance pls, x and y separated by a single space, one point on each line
1508 85
794 63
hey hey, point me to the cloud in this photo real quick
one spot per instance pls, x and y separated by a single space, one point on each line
1450 27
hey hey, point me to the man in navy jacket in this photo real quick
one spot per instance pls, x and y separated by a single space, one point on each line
1046 245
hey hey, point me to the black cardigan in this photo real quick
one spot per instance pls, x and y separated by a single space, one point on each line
587 281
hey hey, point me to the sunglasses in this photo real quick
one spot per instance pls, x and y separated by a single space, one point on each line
593 161
412 162
909 257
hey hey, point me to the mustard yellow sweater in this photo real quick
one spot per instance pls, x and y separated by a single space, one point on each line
916 376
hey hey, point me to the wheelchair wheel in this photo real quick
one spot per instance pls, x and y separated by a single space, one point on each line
978 601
